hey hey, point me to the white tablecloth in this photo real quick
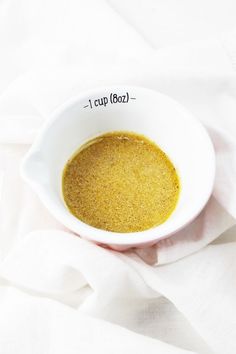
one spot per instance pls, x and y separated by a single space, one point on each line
60 294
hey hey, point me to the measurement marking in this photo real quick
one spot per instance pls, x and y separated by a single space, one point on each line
132 98
86 106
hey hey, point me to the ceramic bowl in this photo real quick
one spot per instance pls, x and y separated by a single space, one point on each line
135 109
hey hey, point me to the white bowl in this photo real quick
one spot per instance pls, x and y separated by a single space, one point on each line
147 112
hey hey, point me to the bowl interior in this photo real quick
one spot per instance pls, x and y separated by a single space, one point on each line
152 114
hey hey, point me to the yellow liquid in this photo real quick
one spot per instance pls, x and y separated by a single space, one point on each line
120 182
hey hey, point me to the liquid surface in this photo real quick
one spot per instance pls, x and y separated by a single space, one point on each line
120 182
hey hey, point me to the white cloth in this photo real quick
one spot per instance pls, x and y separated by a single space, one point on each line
60 294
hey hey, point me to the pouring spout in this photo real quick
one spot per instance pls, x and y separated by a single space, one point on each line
34 169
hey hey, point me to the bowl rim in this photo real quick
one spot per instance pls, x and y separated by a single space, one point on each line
87 231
